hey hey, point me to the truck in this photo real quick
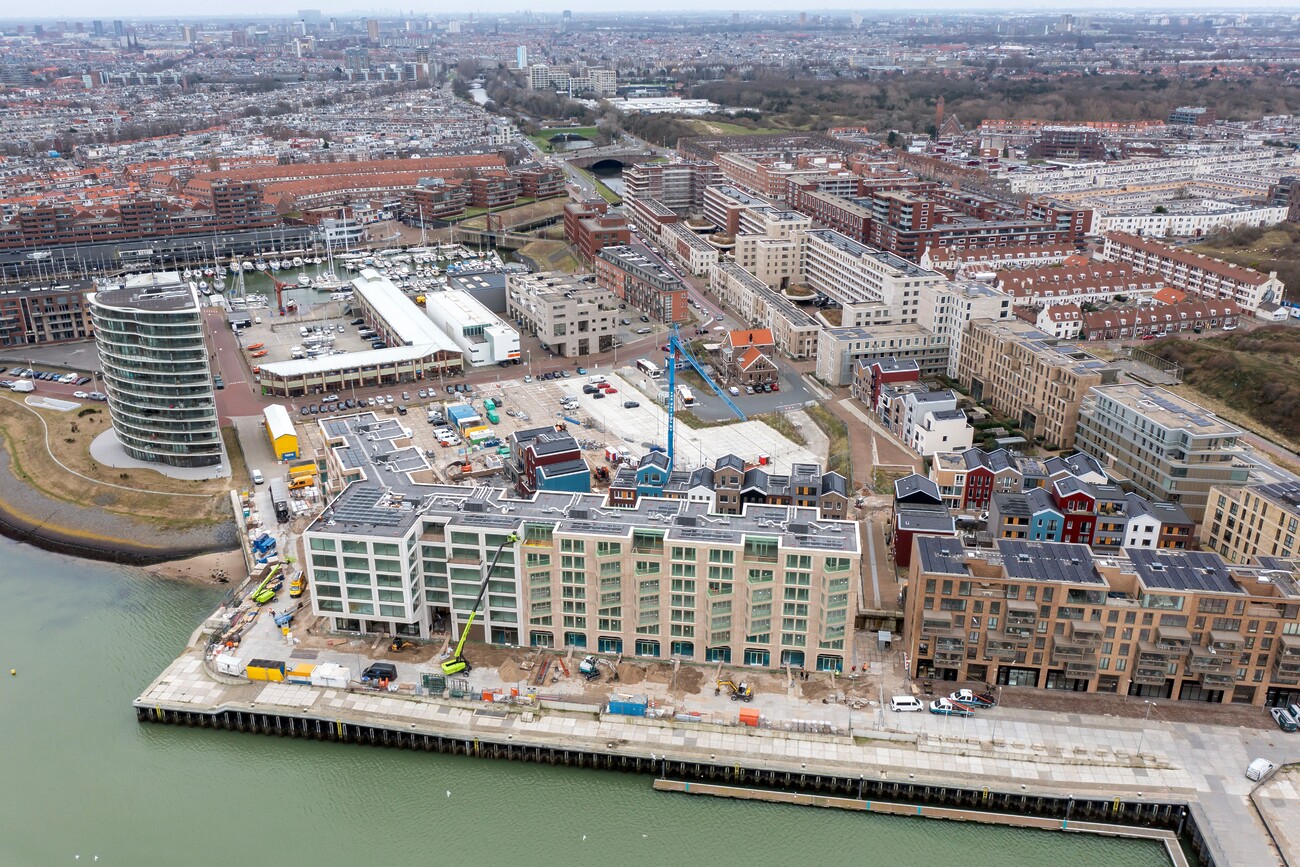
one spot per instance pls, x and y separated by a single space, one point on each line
943 707
972 699
23 385
280 500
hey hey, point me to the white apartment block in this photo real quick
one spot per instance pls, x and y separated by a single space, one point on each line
480 333
947 308
840 349
1123 173
794 330
1193 221
770 587
873 286
1192 272
693 252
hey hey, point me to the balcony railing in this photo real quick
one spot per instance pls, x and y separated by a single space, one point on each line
1081 669
1150 676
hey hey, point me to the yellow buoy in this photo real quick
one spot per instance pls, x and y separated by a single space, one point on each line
13 672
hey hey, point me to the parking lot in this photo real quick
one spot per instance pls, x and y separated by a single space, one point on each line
278 335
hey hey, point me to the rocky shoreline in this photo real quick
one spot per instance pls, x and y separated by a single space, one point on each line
29 516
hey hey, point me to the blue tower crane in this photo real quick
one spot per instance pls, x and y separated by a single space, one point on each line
677 347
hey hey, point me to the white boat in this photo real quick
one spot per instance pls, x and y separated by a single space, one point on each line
303 279
247 266
316 260
275 266
297 261
261 266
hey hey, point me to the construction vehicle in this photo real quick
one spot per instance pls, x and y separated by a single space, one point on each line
298 584
458 663
265 591
588 668
972 699
739 691
398 644
284 618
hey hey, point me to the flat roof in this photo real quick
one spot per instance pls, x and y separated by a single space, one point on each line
1202 571
157 292
400 314
387 502
278 423
1048 561
1166 409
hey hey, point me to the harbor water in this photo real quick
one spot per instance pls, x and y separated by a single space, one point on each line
83 778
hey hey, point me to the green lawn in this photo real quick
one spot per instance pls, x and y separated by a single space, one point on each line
715 127
541 139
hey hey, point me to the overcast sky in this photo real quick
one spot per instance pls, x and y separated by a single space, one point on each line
90 9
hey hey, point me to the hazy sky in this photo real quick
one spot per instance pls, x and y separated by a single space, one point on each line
74 10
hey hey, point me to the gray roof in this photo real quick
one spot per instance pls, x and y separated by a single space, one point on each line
924 518
1048 561
942 556
1182 570
916 485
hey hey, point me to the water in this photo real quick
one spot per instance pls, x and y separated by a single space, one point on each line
82 777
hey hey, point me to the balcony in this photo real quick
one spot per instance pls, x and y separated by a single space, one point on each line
1063 653
998 649
1174 636
1082 670
1227 642
1159 653
937 624
1202 660
1085 634
1022 616
1150 676
1218 681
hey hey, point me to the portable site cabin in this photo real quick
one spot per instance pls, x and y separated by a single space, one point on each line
280 430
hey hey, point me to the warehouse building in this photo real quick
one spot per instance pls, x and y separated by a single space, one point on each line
482 335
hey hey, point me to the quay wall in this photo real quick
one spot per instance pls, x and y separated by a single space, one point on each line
1140 817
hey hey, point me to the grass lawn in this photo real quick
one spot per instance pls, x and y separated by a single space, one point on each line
542 138
838 433
140 493
716 127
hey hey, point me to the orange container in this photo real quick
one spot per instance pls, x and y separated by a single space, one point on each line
749 717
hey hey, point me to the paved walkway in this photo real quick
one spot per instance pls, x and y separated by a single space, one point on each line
107 450
1003 747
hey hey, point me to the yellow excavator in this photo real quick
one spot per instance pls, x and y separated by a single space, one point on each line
739 691
458 664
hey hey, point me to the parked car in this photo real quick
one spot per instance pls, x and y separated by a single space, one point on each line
423 393
98 395
83 381
258 478
589 389
81 395
306 410
358 322
971 698
645 318
749 389
1283 718
582 371
527 378
349 403
598 395
630 404
906 704
734 391
643 331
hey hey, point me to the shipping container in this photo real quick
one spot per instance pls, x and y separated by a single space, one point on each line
328 674
629 705
228 664
266 669
749 717
300 673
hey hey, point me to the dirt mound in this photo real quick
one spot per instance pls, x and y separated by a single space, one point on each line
689 680
659 673
630 673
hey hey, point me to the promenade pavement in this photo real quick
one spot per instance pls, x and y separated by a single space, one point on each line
1004 748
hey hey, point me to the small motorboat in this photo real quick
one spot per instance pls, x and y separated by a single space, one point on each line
257 346
261 353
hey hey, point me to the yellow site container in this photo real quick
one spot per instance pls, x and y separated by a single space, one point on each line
302 470
265 669
300 673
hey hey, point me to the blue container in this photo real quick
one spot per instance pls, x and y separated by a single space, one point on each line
627 708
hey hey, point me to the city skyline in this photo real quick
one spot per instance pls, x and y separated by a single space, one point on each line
163 11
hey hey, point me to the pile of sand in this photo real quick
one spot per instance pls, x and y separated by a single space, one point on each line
630 673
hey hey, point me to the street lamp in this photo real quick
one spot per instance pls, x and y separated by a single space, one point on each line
1145 717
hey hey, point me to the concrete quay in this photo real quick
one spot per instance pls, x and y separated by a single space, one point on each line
1009 760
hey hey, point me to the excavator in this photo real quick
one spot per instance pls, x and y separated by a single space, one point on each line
458 664
397 645
739 691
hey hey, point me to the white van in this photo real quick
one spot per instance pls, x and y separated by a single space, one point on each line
1259 769
23 385
906 704
258 478
596 380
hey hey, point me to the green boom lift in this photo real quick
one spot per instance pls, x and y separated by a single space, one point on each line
458 663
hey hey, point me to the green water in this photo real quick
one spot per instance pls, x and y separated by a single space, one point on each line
79 776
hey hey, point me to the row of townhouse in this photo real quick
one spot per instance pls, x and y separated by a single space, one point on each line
1196 273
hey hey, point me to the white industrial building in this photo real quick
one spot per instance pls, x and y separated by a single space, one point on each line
482 335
